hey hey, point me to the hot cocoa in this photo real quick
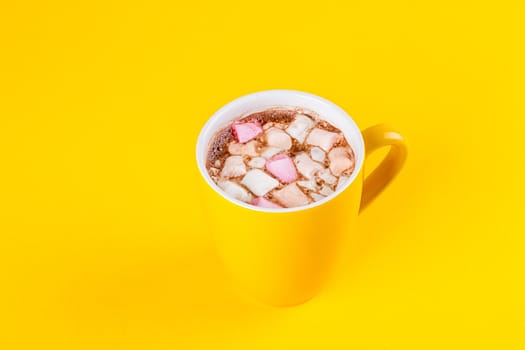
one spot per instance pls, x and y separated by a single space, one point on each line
280 158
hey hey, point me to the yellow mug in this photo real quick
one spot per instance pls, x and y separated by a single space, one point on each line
283 256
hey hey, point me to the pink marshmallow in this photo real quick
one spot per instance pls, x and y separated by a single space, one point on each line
245 132
281 166
264 203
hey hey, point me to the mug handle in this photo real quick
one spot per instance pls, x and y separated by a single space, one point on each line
375 137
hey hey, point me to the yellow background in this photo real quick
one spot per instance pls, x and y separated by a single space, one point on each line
102 243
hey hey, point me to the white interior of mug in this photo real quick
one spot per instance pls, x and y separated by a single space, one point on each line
263 100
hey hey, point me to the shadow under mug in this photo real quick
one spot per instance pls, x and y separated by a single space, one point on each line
282 257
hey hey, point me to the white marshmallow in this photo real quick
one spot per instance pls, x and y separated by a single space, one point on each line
299 128
326 191
317 154
270 152
291 196
233 167
306 166
316 197
342 181
243 149
339 160
322 138
278 138
259 182
257 162
327 177
310 184
235 191
267 126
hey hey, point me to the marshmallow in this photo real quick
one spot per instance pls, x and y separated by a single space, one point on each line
267 126
243 149
259 182
327 177
299 128
322 138
281 166
235 191
233 167
264 203
326 191
244 132
270 152
279 139
306 166
339 160
257 162
316 197
317 154
342 181
291 196
309 185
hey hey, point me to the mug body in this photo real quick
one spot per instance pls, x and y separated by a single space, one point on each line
281 256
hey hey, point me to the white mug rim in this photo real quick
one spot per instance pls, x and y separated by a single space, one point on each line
202 146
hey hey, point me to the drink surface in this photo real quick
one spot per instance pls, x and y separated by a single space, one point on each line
280 158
